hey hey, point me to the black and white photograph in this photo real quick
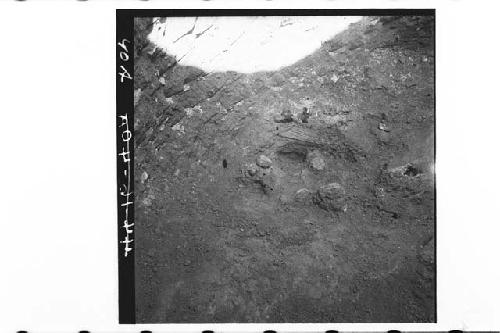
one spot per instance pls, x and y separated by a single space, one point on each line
250 166
284 167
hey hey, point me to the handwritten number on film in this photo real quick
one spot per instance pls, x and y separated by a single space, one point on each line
126 136
124 73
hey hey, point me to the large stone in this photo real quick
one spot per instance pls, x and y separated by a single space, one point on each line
318 163
331 197
251 170
316 160
264 162
303 195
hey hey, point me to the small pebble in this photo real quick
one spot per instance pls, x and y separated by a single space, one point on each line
144 177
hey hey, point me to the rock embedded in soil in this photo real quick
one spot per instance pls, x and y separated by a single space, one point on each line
317 163
148 201
316 160
331 197
144 177
137 96
383 127
278 118
303 195
264 162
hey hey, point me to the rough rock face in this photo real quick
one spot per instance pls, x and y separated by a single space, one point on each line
331 197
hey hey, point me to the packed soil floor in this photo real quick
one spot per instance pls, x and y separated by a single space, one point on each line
246 213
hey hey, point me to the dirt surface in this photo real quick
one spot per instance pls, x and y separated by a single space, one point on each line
335 223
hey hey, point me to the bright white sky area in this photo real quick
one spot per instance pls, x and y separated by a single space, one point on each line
245 44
